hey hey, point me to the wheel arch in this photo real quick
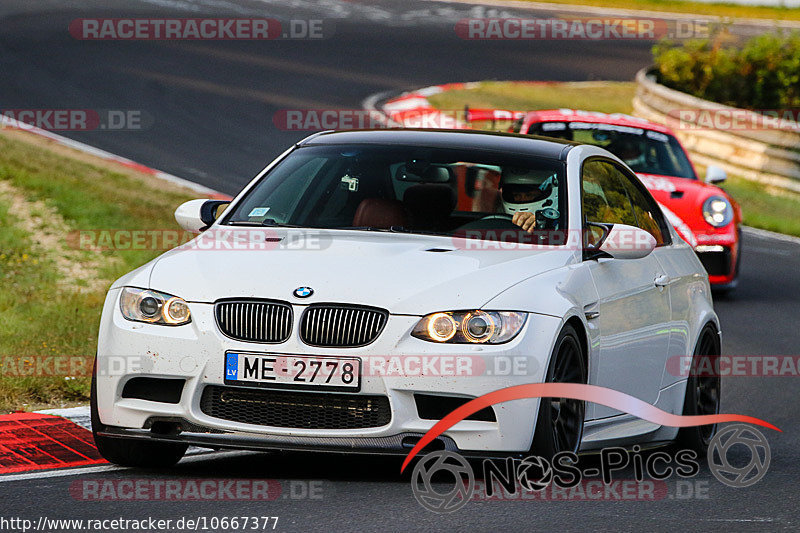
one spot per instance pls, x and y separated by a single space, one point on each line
583 338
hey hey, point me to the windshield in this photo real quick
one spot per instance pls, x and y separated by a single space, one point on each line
441 191
645 151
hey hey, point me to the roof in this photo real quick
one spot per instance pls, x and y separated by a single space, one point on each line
577 115
466 139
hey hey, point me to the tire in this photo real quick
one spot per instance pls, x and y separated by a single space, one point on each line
132 452
702 396
559 426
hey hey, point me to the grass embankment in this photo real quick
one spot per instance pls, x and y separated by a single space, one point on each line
716 9
52 292
763 207
606 96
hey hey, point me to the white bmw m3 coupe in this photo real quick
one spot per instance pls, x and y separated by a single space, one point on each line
367 283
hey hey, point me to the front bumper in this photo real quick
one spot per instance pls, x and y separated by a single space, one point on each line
195 353
207 438
720 254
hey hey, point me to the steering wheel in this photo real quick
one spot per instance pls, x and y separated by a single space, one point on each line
498 216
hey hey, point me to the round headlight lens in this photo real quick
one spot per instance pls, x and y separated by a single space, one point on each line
441 327
717 211
477 327
177 311
149 306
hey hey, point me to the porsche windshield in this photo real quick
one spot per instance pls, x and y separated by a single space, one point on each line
645 151
442 191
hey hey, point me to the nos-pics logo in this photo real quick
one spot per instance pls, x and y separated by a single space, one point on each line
443 481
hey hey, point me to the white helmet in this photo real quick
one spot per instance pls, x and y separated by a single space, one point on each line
526 190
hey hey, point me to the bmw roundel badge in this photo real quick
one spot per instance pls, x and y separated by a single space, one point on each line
303 292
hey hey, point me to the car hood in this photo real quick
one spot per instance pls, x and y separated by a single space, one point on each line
683 199
406 274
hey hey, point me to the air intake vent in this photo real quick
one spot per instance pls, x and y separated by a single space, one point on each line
154 389
255 321
432 407
299 410
716 263
340 326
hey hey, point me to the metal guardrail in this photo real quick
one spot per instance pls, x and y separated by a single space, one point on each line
769 156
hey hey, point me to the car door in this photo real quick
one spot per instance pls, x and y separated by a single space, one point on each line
632 313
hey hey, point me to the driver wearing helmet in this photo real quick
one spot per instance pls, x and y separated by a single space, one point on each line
525 193
628 150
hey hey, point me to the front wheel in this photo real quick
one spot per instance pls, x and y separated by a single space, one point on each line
702 394
559 426
132 452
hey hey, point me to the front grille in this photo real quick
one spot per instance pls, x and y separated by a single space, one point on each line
255 321
340 326
301 410
716 263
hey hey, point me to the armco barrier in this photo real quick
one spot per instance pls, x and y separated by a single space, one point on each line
769 156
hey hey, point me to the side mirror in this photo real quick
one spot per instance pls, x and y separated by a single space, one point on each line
620 241
715 174
197 215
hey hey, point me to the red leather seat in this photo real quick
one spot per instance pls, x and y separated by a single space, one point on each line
380 213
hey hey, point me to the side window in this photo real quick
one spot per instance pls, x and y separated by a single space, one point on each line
610 196
648 214
605 198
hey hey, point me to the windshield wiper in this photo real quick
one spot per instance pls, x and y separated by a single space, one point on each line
267 222
393 229
401 229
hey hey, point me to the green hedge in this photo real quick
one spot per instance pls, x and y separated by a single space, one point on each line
762 74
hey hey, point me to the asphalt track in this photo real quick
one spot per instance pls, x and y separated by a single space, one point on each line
212 105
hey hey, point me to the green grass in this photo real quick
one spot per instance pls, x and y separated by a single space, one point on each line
719 9
43 314
775 211
608 97
762 207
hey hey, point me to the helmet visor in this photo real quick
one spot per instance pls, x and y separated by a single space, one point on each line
524 194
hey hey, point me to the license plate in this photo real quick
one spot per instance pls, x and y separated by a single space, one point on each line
293 371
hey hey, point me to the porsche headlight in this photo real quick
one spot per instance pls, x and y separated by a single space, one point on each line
470 327
144 305
717 211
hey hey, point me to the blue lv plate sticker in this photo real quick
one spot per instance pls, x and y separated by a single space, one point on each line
232 366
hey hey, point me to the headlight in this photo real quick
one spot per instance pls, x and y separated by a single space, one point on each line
470 327
143 305
717 211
